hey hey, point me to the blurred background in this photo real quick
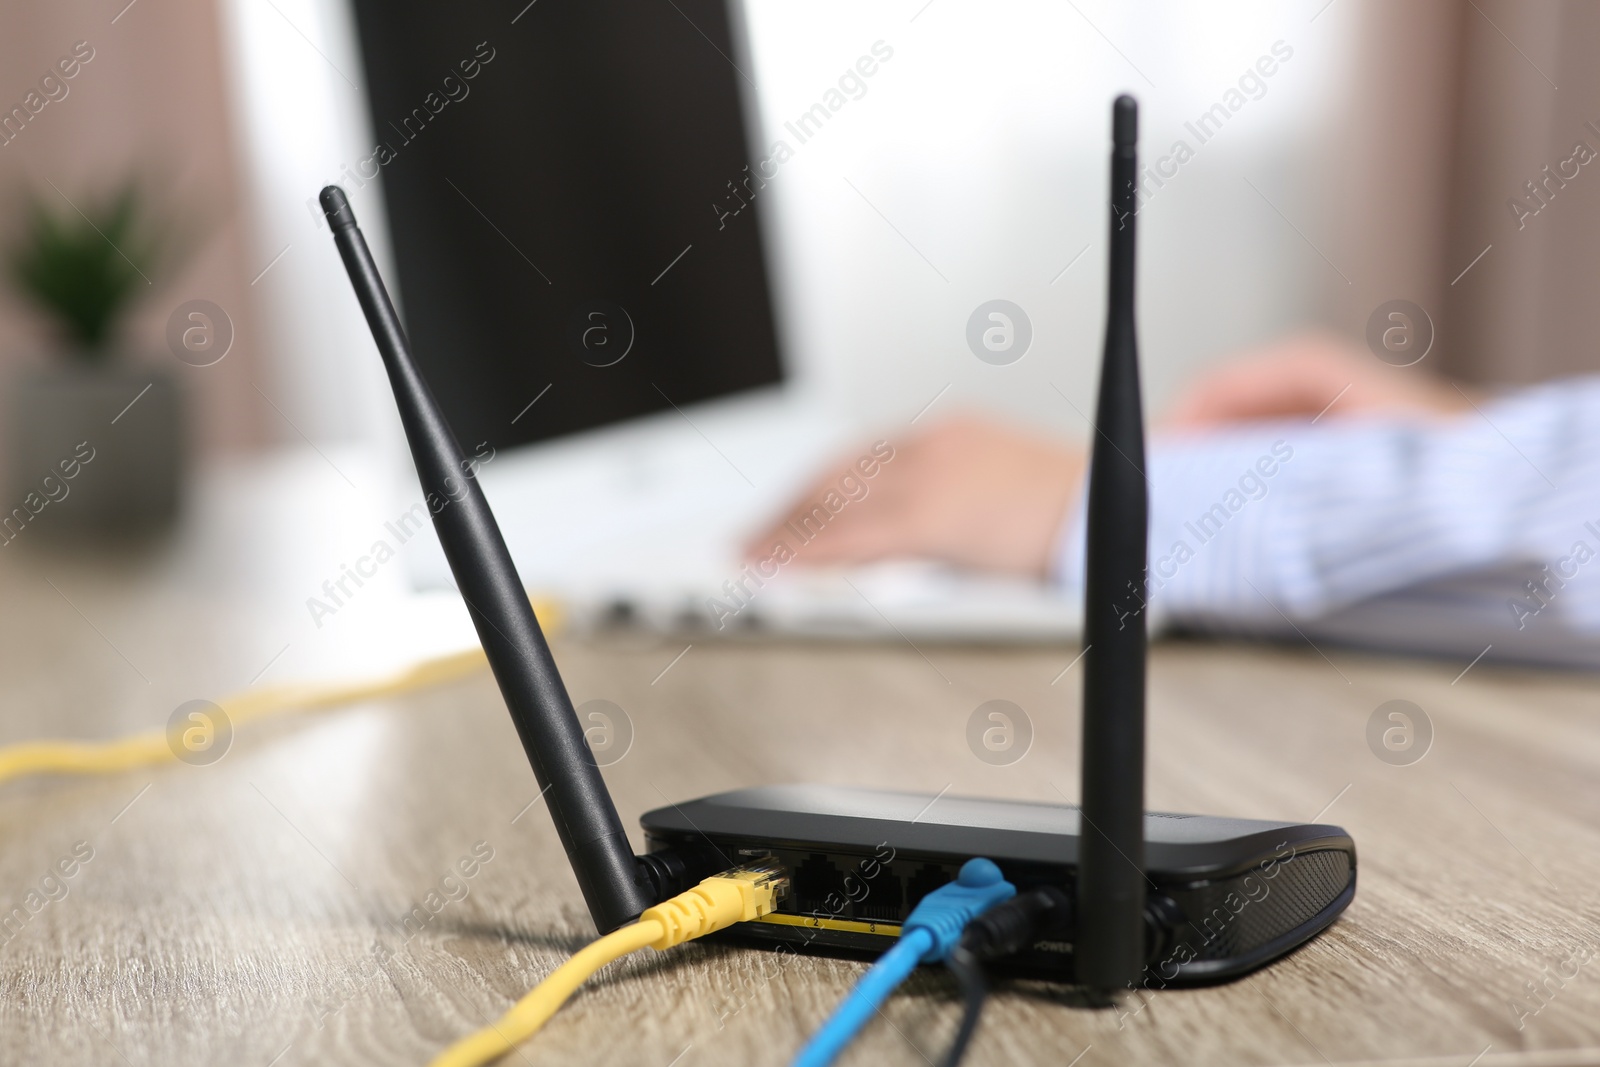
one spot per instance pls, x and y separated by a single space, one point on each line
168 282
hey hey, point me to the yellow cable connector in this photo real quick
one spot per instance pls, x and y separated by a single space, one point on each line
734 896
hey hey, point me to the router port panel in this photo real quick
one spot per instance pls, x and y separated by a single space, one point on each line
880 886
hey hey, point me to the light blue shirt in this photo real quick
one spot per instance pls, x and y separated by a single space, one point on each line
1399 533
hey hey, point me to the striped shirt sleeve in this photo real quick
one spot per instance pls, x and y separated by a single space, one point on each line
1442 536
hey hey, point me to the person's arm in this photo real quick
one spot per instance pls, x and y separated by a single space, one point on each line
1371 506
1284 525
973 492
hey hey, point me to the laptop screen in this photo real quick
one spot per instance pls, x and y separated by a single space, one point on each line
557 177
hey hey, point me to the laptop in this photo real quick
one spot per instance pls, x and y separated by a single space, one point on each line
592 283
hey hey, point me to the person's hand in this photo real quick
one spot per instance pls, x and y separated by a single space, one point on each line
970 492
1302 376
964 491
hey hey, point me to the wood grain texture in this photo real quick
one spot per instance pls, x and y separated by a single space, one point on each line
252 912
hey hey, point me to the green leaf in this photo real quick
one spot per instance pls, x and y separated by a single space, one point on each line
85 268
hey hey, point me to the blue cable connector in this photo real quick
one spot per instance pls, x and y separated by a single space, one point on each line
929 935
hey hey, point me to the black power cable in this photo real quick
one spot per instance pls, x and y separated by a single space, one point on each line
1003 930
974 983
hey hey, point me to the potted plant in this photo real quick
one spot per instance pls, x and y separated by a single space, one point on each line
96 443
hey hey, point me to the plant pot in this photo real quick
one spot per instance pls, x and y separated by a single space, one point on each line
96 452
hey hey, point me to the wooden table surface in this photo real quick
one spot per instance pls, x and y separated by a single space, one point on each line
251 912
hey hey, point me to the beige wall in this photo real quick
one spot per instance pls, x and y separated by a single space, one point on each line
1455 107
151 100
1399 133
1528 310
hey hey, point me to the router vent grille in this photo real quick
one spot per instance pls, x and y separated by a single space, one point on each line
1237 915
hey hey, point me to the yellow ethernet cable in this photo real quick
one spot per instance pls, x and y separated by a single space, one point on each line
142 749
138 750
734 896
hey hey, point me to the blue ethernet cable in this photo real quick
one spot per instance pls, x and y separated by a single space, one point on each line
929 935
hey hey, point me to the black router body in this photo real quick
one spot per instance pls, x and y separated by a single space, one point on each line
1225 896
1160 899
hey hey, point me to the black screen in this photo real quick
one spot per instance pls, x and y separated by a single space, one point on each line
557 190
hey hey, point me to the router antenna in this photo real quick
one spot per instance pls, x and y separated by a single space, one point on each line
615 885
1110 946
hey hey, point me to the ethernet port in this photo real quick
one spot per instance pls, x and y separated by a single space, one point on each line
928 878
882 902
818 887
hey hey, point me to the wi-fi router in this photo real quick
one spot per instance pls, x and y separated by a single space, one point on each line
1161 899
